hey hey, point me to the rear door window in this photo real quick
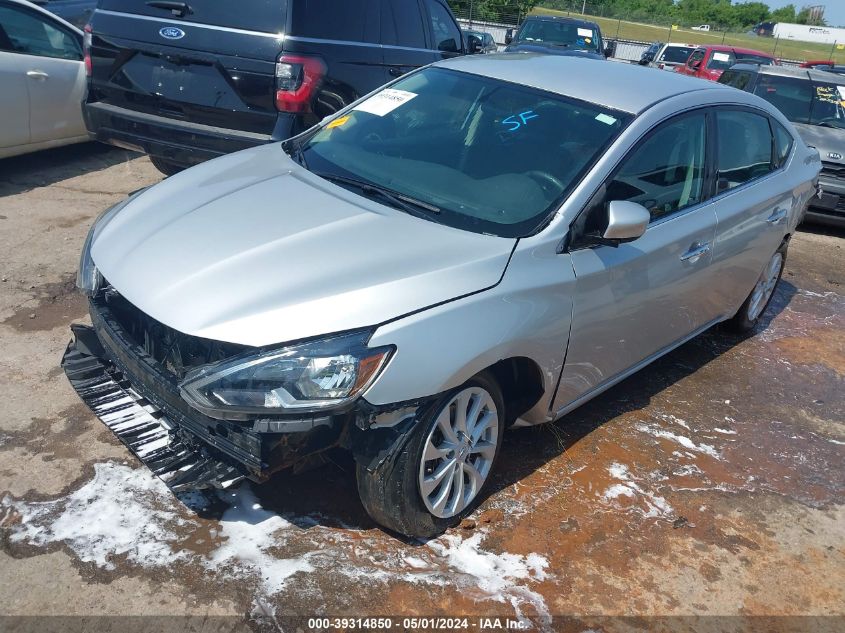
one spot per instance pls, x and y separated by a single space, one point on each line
447 37
745 147
266 16
350 20
402 24
792 96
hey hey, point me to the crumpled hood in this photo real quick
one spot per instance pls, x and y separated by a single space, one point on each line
253 249
549 49
827 140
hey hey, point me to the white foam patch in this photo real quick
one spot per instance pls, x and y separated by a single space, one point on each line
495 575
683 440
119 512
129 512
653 505
724 431
250 532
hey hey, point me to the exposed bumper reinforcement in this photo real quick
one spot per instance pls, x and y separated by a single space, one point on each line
136 423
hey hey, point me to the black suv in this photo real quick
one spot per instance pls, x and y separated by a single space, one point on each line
188 81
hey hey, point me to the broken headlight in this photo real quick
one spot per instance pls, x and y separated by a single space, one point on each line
310 376
88 278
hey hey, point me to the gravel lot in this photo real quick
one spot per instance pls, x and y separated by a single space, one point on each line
711 483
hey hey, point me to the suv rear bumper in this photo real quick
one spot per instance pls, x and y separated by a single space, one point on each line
180 142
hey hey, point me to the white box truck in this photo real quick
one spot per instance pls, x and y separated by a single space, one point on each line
807 33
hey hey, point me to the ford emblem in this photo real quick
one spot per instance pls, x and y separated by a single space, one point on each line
835 156
171 33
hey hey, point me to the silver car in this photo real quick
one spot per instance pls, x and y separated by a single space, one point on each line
43 80
488 242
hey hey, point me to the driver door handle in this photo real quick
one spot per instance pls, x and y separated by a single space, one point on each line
695 252
37 74
777 216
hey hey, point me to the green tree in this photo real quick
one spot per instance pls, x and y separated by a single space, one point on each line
784 14
749 13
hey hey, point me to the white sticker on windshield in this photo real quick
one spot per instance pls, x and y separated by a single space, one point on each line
605 118
841 90
721 57
385 101
585 32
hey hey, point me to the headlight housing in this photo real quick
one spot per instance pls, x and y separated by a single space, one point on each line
312 376
88 278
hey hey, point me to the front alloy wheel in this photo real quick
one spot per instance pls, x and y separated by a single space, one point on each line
459 452
438 475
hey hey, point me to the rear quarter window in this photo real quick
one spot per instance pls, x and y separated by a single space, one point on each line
350 20
783 143
266 16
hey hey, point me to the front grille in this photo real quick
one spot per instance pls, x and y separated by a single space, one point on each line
833 170
175 352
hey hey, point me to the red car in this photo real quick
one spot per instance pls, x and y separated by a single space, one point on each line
709 62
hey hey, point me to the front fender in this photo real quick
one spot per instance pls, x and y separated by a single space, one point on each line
527 314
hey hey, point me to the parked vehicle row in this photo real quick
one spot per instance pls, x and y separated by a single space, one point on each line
815 103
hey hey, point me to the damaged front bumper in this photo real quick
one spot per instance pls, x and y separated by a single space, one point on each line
140 403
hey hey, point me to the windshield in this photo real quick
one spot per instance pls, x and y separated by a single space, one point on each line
722 60
803 101
676 54
565 34
471 152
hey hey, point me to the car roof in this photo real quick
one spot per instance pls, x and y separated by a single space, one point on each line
735 49
558 18
627 87
787 71
679 45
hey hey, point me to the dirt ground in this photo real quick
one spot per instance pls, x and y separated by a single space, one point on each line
709 484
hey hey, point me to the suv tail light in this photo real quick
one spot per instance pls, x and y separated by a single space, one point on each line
86 50
297 78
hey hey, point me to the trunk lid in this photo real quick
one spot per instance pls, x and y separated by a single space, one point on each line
212 63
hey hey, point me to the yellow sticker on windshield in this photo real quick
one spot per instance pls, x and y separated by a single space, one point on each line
337 122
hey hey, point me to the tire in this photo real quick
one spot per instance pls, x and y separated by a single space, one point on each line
393 494
755 304
165 166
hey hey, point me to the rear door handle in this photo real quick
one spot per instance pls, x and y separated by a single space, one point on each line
37 74
777 216
695 252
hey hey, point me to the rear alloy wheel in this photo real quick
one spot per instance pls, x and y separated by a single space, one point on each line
439 475
757 302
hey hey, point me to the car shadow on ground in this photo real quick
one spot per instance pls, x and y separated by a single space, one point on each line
327 495
49 166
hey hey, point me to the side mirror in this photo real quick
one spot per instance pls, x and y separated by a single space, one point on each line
609 49
508 36
627 221
473 44
696 64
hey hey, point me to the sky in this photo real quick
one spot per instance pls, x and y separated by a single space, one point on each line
834 10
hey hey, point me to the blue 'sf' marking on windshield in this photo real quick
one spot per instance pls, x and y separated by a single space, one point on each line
514 120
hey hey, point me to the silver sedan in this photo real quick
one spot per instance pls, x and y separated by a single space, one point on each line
487 242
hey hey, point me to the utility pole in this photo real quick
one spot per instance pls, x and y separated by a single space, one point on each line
584 7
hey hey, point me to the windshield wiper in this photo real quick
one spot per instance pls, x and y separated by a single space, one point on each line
399 200
294 150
